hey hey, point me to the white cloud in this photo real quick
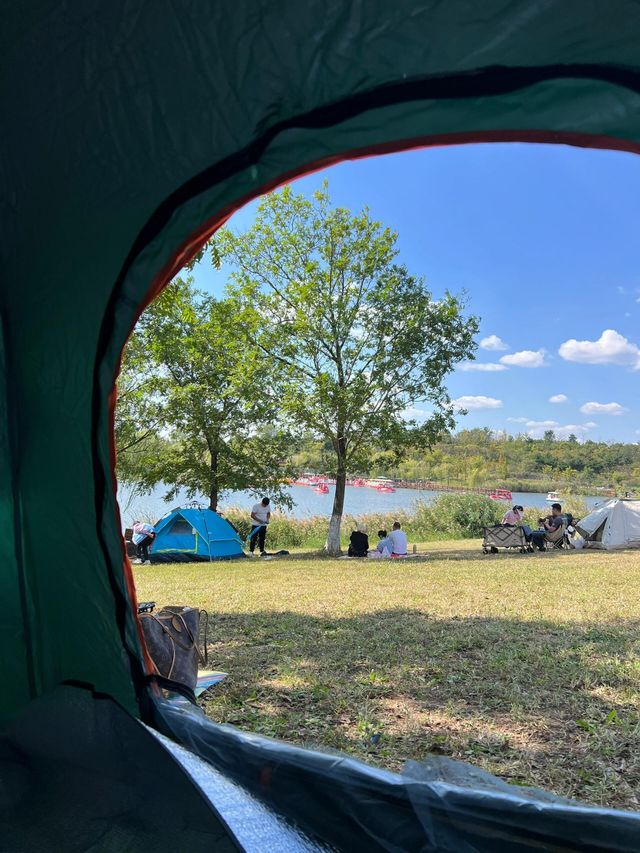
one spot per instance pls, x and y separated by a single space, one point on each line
479 402
412 413
494 343
610 348
558 398
487 366
603 409
579 430
537 429
525 358
518 420
542 424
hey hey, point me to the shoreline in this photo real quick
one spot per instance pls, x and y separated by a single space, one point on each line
434 486
428 485
308 504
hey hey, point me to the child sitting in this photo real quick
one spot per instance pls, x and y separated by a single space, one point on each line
383 548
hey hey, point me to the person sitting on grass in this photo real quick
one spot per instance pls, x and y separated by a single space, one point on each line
384 546
552 528
398 540
358 542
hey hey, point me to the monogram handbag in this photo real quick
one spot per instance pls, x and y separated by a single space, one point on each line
171 636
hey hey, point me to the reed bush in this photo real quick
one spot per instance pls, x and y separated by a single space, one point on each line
450 516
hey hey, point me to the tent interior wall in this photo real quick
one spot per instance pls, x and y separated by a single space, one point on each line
131 131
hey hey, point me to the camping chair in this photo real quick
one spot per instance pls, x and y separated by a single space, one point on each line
557 539
504 536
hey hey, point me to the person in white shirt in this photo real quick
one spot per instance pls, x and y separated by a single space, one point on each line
398 540
260 517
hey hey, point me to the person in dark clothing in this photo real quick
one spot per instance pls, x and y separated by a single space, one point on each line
358 542
143 536
550 525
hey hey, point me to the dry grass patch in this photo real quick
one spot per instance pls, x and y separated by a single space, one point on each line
525 665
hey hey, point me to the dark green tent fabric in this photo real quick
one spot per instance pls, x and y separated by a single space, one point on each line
102 783
130 130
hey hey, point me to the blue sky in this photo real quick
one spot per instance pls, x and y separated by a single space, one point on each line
545 240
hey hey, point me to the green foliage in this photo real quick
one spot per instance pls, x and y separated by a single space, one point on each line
456 516
193 367
477 458
357 339
450 516
138 416
283 531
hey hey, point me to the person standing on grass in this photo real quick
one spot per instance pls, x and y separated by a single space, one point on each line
260 517
398 540
143 536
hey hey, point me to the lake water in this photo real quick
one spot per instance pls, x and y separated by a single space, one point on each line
358 501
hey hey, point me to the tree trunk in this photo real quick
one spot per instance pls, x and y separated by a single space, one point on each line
213 482
333 539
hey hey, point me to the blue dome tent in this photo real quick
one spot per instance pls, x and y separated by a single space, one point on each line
190 534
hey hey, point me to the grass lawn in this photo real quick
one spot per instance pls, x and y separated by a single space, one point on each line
526 665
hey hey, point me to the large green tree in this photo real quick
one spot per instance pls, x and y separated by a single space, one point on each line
357 339
212 396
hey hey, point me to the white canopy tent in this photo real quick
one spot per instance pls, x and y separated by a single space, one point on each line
614 525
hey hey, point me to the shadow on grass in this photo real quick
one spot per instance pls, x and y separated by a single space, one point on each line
534 702
471 551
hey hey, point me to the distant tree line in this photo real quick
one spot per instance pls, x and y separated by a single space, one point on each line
481 458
